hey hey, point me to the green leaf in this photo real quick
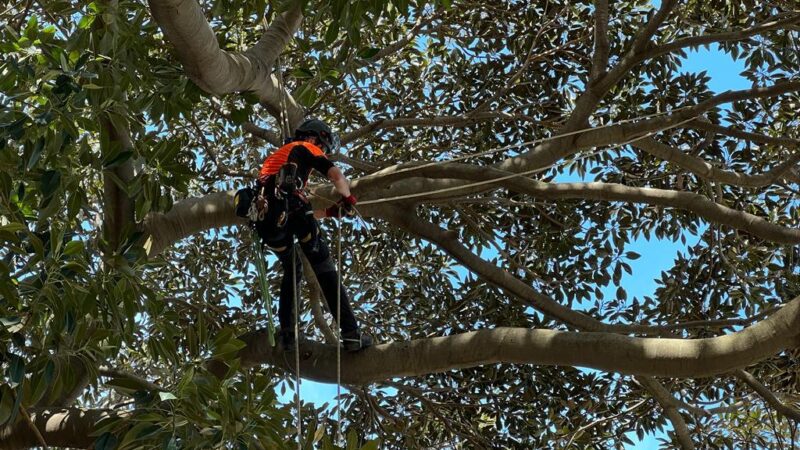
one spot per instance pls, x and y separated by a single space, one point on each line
239 116
13 227
164 396
632 255
73 248
36 153
86 21
332 33
368 53
6 404
16 370
105 441
49 183
371 445
307 94
302 72
352 439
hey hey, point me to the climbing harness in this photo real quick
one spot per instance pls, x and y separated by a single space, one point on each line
258 207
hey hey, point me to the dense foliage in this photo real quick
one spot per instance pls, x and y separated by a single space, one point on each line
82 307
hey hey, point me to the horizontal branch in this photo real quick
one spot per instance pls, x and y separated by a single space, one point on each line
710 172
674 358
775 23
746 135
626 131
188 217
60 427
687 201
262 133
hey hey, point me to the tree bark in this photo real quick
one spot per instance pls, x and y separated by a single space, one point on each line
671 358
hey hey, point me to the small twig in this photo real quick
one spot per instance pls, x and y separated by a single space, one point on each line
583 429
768 395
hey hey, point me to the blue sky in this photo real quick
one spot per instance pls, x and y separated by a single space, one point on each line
656 255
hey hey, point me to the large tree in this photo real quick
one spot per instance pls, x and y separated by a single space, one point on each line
130 309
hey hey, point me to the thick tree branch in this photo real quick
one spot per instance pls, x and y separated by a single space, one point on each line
188 217
673 358
364 166
220 72
262 133
688 201
767 395
60 427
32 426
708 171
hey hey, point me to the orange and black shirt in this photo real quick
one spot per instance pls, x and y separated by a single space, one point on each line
307 156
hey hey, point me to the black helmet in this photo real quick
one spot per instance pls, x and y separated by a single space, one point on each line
317 128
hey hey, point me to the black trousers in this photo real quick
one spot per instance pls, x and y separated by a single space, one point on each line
301 224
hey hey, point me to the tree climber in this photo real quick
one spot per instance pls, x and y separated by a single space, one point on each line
279 211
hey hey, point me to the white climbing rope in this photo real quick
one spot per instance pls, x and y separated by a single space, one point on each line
339 333
297 348
509 176
284 125
551 138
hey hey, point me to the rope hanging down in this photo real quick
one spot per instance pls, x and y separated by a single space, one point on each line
297 349
339 332
284 119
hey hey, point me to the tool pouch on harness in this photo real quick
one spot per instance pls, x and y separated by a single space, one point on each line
287 181
242 201
251 204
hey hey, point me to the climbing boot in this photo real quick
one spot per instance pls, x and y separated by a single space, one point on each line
286 340
354 341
